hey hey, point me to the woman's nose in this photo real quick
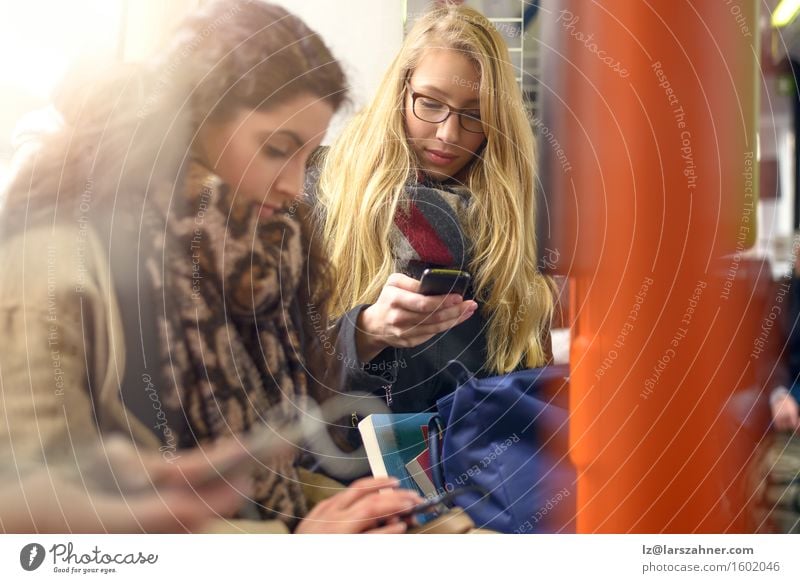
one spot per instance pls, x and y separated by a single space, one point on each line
449 130
292 178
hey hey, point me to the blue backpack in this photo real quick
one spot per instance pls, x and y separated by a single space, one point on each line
506 439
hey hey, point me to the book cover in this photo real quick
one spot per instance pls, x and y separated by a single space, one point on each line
420 471
393 440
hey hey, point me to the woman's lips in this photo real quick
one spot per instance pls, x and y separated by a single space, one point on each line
266 211
439 158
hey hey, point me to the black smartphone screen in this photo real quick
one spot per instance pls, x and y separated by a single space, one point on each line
439 282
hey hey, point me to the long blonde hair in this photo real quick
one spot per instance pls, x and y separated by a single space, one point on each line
365 172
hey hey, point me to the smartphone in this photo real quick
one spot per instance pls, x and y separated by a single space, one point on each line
434 504
439 282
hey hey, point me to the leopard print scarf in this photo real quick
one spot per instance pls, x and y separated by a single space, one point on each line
231 340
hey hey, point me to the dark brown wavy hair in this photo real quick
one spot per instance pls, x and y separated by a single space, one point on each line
134 128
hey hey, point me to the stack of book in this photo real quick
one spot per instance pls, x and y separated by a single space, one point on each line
397 445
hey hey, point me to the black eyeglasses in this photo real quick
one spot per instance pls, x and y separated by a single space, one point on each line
432 110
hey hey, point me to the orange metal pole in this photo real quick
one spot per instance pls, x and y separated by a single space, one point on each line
654 105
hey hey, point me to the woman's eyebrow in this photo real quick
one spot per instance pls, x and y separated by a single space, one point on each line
441 95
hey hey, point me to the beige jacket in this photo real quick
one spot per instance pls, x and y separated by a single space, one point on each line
62 351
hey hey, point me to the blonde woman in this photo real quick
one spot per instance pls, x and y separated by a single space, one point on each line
438 170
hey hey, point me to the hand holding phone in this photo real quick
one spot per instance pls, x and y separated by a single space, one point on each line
404 316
